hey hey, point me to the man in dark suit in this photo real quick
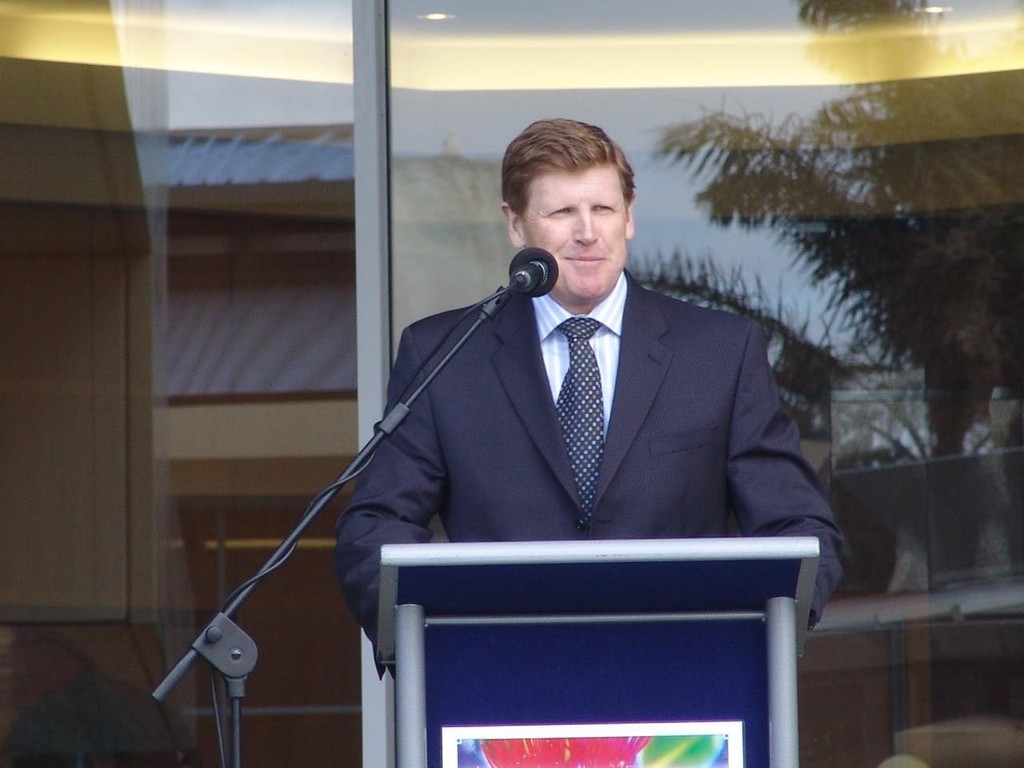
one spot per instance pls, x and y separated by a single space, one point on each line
689 438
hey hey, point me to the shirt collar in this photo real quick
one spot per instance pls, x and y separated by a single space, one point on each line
550 313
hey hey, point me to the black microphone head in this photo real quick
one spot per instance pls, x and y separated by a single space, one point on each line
534 270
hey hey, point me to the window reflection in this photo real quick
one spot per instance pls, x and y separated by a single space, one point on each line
261 296
845 174
177 369
260 350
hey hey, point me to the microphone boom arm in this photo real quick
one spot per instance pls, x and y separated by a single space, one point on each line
235 662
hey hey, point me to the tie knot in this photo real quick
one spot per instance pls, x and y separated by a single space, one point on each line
579 327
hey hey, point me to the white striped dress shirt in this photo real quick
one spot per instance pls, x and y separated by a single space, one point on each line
555 347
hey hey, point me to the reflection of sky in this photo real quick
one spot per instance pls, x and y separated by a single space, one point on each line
650 16
481 124
307 13
588 16
537 16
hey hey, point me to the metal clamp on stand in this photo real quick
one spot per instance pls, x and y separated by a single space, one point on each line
227 647
233 654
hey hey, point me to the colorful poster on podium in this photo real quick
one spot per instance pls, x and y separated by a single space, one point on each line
595 745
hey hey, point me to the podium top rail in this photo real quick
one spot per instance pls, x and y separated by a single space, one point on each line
630 550
483 580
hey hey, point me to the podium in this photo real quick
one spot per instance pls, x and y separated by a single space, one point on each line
683 639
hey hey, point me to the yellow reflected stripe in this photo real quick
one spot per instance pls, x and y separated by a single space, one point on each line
900 50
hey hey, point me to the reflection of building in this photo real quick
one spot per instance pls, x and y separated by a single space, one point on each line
211 272
995 742
448 233
261 382
261 296
83 585
953 520
177 345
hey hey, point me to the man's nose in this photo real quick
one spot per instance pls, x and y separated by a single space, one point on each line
585 227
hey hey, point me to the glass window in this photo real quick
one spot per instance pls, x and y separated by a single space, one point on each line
260 349
847 175
177 372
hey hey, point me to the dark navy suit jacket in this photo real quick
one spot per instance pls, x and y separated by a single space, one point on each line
697 445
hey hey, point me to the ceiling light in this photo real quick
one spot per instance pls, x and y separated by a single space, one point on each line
436 16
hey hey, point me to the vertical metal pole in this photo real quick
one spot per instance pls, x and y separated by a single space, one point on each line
373 304
783 717
236 731
410 688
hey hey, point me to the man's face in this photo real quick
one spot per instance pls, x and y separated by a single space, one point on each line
584 222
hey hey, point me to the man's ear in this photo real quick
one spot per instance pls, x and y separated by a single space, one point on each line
512 222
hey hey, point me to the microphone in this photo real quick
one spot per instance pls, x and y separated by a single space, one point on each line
533 271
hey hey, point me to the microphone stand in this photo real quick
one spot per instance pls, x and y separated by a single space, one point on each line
224 644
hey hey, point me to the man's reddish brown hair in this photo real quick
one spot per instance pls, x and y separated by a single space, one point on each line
559 145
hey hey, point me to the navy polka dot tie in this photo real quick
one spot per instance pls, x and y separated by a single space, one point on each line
581 412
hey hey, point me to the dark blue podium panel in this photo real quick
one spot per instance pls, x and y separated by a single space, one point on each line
618 672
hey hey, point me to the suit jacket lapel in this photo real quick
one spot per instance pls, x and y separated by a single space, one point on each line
643 362
521 371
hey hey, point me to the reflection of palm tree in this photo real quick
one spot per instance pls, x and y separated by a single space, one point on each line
904 200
